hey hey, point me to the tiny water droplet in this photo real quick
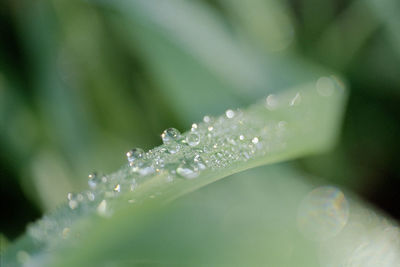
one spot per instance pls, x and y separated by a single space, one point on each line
73 201
194 127
170 135
93 180
134 154
254 140
102 208
271 102
65 232
241 137
90 195
295 100
117 188
193 139
199 161
206 119
230 113
210 128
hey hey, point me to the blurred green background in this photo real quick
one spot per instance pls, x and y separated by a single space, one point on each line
82 82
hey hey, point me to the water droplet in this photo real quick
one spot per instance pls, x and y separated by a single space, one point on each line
133 185
187 170
210 128
193 139
254 140
117 188
102 208
170 135
295 100
73 201
241 137
134 154
93 180
65 232
194 127
170 178
271 102
325 86
146 169
230 114
90 195
206 119
199 162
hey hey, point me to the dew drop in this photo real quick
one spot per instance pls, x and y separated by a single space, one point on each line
254 140
117 188
90 195
146 169
72 201
230 113
210 128
65 232
295 100
170 135
193 139
102 208
187 170
271 102
194 127
134 154
93 180
199 162
206 119
241 137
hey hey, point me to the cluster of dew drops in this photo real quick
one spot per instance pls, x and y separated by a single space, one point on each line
213 144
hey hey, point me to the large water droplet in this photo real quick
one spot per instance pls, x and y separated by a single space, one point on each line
170 135
146 168
193 139
187 170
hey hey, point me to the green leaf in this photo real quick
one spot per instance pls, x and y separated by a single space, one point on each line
294 123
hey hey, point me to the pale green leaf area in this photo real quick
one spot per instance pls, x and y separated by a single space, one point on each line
300 121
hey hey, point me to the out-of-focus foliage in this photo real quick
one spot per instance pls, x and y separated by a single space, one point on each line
81 82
